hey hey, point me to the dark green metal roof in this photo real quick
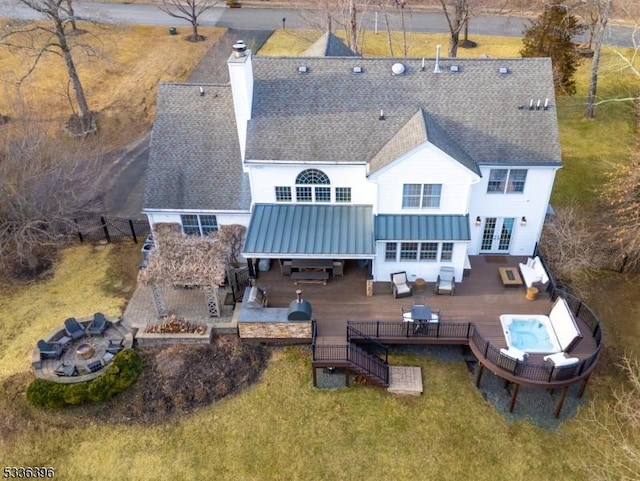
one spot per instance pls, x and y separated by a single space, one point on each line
278 230
422 227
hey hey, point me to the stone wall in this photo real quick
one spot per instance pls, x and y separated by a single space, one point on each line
275 330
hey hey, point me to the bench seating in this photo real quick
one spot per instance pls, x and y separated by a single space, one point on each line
310 277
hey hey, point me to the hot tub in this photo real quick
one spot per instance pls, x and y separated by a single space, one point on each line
529 333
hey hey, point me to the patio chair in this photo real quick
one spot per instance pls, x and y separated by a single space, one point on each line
50 350
73 328
66 370
446 282
400 285
98 325
115 347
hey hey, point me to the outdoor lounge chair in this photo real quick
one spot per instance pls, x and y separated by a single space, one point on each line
66 370
400 285
98 325
114 347
74 329
446 282
50 350
561 359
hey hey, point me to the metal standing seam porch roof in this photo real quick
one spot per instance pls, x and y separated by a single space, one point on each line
404 227
301 230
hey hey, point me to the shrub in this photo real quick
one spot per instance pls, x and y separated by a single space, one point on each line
123 371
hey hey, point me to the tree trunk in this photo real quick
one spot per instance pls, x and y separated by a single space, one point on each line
353 28
389 40
404 33
598 39
85 113
453 44
194 30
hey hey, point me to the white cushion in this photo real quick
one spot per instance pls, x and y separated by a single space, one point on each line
402 288
514 353
399 279
530 263
561 359
406 317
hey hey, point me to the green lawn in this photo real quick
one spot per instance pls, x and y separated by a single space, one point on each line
284 429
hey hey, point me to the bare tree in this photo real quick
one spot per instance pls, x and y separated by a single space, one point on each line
401 4
44 183
457 14
613 431
189 10
39 39
601 11
232 235
577 245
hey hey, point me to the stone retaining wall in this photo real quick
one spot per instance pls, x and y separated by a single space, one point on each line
275 330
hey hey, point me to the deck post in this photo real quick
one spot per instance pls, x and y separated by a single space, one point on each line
583 385
479 373
313 376
556 413
514 395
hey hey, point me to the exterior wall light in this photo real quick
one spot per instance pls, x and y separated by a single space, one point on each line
523 221
478 221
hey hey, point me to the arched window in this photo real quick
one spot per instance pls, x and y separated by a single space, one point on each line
312 176
312 194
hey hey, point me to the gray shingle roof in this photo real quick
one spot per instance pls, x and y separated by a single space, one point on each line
194 158
310 229
422 227
331 113
328 45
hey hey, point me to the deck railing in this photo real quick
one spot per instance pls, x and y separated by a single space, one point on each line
354 333
390 329
534 371
367 364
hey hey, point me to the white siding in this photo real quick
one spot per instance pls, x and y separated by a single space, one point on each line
223 218
531 204
427 270
425 165
264 178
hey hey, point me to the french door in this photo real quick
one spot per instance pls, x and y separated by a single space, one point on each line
497 234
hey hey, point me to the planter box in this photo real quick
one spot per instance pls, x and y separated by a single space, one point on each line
152 339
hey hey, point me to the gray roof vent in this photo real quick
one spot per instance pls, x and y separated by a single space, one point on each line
455 68
503 70
303 69
357 69
397 69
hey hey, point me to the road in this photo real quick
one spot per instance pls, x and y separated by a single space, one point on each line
271 18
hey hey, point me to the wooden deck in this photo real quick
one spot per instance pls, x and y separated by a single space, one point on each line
480 299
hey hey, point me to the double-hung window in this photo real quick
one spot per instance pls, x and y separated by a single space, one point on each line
198 224
418 251
507 181
421 196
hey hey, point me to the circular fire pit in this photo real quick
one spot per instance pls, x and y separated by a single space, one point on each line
85 350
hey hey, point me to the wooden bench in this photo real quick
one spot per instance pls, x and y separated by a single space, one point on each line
310 277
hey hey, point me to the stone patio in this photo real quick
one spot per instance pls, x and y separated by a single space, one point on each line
71 356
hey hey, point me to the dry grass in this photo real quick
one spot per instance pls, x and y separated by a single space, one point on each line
120 83
82 284
294 42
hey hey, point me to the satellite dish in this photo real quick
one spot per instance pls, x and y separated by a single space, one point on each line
397 69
